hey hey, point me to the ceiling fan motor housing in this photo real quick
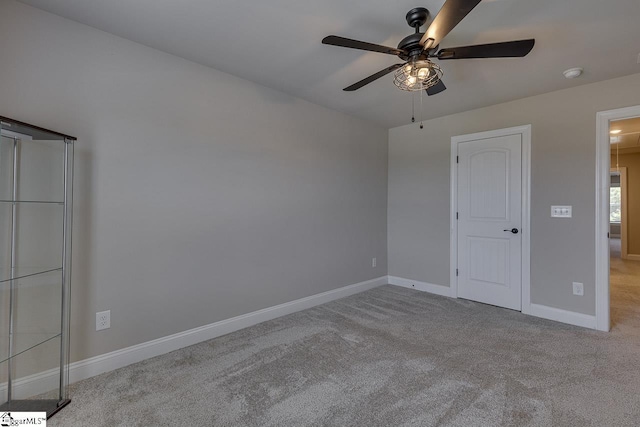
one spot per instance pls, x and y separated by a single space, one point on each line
416 18
411 45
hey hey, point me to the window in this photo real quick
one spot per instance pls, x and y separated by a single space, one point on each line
614 204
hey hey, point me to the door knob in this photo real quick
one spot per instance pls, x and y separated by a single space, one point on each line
513 230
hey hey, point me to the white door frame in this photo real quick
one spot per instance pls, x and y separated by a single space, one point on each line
525 132
603 167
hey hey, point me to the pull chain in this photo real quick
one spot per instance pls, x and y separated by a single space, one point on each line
413 107
421 112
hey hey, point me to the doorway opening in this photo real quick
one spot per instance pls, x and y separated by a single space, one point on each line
618 217
624 220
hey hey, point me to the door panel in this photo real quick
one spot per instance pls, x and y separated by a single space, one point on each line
488 260
489 207
489 194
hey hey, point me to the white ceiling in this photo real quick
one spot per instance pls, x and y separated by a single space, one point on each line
277 44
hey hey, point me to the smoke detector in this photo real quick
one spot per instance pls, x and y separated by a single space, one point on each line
572 73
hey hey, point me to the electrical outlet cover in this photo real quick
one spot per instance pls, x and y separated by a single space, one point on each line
578 288
103 320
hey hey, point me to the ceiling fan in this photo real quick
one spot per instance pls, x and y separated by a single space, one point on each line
418 72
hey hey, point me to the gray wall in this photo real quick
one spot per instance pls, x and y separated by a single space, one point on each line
198 196
563 173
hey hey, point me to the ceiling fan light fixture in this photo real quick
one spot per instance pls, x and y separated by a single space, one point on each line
418 75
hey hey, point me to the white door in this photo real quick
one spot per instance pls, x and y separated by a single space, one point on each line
489 222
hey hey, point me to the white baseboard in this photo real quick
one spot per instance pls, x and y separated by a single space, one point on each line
537 310
48 380
31 385
564 316
422 286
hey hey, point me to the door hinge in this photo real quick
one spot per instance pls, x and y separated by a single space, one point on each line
607 235
457 215
457 159
456 271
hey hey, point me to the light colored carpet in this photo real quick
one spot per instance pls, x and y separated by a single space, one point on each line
624 277
386 357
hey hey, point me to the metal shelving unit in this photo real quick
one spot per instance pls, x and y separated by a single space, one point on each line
36 192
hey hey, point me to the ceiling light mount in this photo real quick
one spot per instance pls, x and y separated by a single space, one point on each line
417 17
572 73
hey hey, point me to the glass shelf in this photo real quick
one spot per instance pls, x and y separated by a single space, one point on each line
24 272
24 342
33 201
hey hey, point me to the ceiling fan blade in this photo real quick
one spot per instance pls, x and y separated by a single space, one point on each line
356 44
372 77
452 12
435 89
512 49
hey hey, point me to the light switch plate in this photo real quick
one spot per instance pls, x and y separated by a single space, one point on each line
560 211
